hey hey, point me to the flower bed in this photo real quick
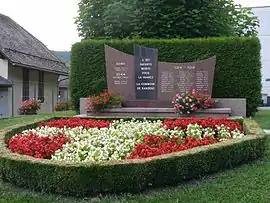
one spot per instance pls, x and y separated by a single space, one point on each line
82 140
87 178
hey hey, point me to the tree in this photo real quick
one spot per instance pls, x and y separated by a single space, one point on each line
164 19
90 19
120 20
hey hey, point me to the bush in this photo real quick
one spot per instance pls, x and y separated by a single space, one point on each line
237 73
86 179
61 106
71 106
29 107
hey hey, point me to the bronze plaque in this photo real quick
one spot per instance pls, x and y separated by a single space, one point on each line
120 73
176 78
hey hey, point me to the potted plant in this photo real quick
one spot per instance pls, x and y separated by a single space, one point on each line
105 100
116 101
29 107
192 101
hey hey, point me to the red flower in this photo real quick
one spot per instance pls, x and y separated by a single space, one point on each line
77 122
182 123
37 146
30 106
158 145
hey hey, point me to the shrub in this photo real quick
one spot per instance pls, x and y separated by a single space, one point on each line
116 100
71 106
29 107
237 73
85 179
61 106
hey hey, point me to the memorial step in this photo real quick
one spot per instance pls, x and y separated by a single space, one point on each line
161 112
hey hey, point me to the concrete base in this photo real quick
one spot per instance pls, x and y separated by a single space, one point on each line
237 105
161 112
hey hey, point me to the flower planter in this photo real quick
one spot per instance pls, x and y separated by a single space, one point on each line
160 112
129 176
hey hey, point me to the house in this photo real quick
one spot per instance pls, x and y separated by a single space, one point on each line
64 94
28 69
263 14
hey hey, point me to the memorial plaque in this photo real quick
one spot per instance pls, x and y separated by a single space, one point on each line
120 73
176 78
145 64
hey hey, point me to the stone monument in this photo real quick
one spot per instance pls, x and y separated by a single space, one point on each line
148 85
145 82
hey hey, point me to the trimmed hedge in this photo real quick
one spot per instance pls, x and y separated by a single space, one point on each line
85 179
237 74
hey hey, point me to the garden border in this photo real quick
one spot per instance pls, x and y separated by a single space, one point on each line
128 175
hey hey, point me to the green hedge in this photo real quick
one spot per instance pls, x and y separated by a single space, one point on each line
237 74
87 179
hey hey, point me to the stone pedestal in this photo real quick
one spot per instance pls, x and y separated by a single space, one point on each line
161 112
237 106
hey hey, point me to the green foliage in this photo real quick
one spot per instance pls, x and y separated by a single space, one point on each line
263 117
86 179
116 99
61 106
90 18
164 19
237 73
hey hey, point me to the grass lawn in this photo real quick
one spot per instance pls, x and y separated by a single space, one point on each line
20 119
263 118
248 183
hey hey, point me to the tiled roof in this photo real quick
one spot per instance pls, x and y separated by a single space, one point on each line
23 49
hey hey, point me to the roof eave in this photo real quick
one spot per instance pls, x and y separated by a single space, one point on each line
4 85
39 68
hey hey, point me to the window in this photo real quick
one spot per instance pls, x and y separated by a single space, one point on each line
41 86
25 86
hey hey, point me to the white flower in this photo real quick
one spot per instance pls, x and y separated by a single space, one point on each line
118 141
195 131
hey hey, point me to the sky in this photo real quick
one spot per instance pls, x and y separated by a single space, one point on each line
52 21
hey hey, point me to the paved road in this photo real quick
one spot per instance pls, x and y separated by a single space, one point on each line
264 108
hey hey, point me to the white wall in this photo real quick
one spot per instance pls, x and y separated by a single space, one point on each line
50 88
50 92
263 14
4 68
